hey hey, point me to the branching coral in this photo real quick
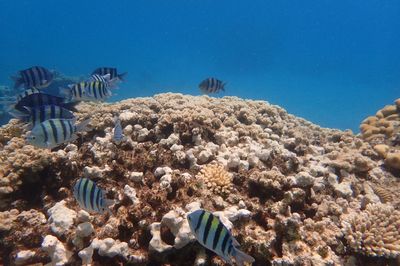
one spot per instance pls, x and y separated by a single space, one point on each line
375 231
216 178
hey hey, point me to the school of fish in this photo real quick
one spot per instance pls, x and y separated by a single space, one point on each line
51 121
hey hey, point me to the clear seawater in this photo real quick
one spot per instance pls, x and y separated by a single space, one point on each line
330 61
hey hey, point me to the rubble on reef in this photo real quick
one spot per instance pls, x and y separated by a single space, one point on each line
292 193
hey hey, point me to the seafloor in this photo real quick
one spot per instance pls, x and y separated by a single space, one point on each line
294 193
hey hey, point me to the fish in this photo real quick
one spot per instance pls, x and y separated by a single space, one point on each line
212 85
54 132
110 70
211 233
110 83
97 77
27 92
42 113
36 76
118 135
87 91
97 90
90 197
18 97
37 99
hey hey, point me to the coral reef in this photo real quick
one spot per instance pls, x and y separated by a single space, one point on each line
291 192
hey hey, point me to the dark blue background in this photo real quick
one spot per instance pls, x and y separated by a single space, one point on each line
332 62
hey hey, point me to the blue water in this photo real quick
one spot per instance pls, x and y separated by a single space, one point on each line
332 62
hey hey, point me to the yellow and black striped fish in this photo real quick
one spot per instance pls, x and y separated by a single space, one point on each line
212 85
36 76
90 197
54 132
213 234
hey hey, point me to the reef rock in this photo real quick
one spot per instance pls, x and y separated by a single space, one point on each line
291 192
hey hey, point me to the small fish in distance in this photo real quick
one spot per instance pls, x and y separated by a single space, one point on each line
212 85
213 234
54 132
36 76
118 135
110 70
90 197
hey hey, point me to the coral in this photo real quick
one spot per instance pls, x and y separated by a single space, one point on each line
383 193
284 186
375 231
393 160
55 248
23 256
383 131
61 218
216 178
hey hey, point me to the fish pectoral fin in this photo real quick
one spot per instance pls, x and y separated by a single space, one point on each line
74 137
235 242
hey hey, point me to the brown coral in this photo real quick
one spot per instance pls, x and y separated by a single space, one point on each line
375 231
216 178
383 193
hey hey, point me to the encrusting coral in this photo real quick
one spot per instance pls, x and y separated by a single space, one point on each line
287 188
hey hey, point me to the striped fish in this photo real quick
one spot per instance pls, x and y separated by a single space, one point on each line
98 91
97 77
212 85
88 91
12 99
110 83
213 234
36 76
27 93
54 132
42 113
90 197
37 99
118 135
109 70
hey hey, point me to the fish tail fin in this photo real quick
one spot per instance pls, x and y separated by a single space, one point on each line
223 86
12 110
66 92
108 203
121 77
70 106
241 258
83 126
18 81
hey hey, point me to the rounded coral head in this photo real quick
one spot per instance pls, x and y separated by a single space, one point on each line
193 218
